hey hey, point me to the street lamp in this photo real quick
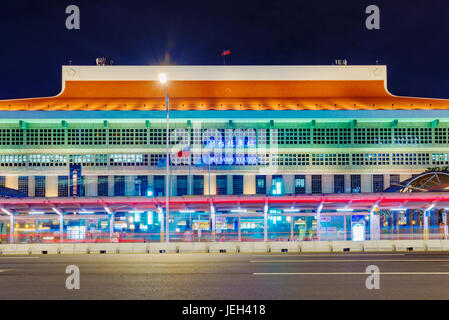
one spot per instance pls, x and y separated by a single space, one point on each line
163 81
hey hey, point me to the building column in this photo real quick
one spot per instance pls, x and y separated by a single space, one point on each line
61 228
51 186
213 221
31 185
374 220
111 226
230 187
91 186
318 224
265 223
445 224
249 184
12 182
426 225
292 218
110 186
11 228
239 232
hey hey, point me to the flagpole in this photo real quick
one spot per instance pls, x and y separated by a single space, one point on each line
190 164
167 185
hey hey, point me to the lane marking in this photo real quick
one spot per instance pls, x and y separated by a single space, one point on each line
348 273
18 257
349 260
4 270
326 255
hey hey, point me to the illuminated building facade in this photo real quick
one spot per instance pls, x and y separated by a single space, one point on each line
263 132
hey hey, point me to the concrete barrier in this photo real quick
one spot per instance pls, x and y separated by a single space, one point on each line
185 247
157 247
50 248
223 247
434 245
104 248
8 248
410 245
349 246
200 247
316 246
378 245
81 248
284 246
66 248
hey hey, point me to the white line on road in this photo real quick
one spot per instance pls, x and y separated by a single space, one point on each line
3 270
348 260
347 273
18 257
327 255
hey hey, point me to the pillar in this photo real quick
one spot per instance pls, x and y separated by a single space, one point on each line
374 226
318 224
111 226
61 228
51 186
213 220
265 223
426 225
12 182
249 184
239 229
11 228
445 224
91 186
291 227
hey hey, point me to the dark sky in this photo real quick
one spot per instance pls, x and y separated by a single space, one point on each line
412 41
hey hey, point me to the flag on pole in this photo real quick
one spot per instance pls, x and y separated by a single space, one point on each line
184 152
225 53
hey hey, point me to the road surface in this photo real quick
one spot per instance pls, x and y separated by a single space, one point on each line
226 276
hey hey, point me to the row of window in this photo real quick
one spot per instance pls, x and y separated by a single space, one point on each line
282 159
68 187
282 136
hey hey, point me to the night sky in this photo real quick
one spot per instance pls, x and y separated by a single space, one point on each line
412 41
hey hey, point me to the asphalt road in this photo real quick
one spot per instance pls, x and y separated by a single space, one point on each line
227 276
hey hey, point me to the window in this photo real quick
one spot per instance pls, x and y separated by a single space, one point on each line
198 185
356 183
181 185
23 184
277 185
159 186
143 185
119 186
394 179
103 186
237 184
378 183
339 183
222 185
2 181
261 185
300 184
39 186
63 186
316 184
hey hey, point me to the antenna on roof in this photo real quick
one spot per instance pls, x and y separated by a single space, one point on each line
341 62
101 61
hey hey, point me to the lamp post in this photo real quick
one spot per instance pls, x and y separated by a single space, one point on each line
163 81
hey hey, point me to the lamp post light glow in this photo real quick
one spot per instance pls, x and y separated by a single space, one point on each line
163 81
